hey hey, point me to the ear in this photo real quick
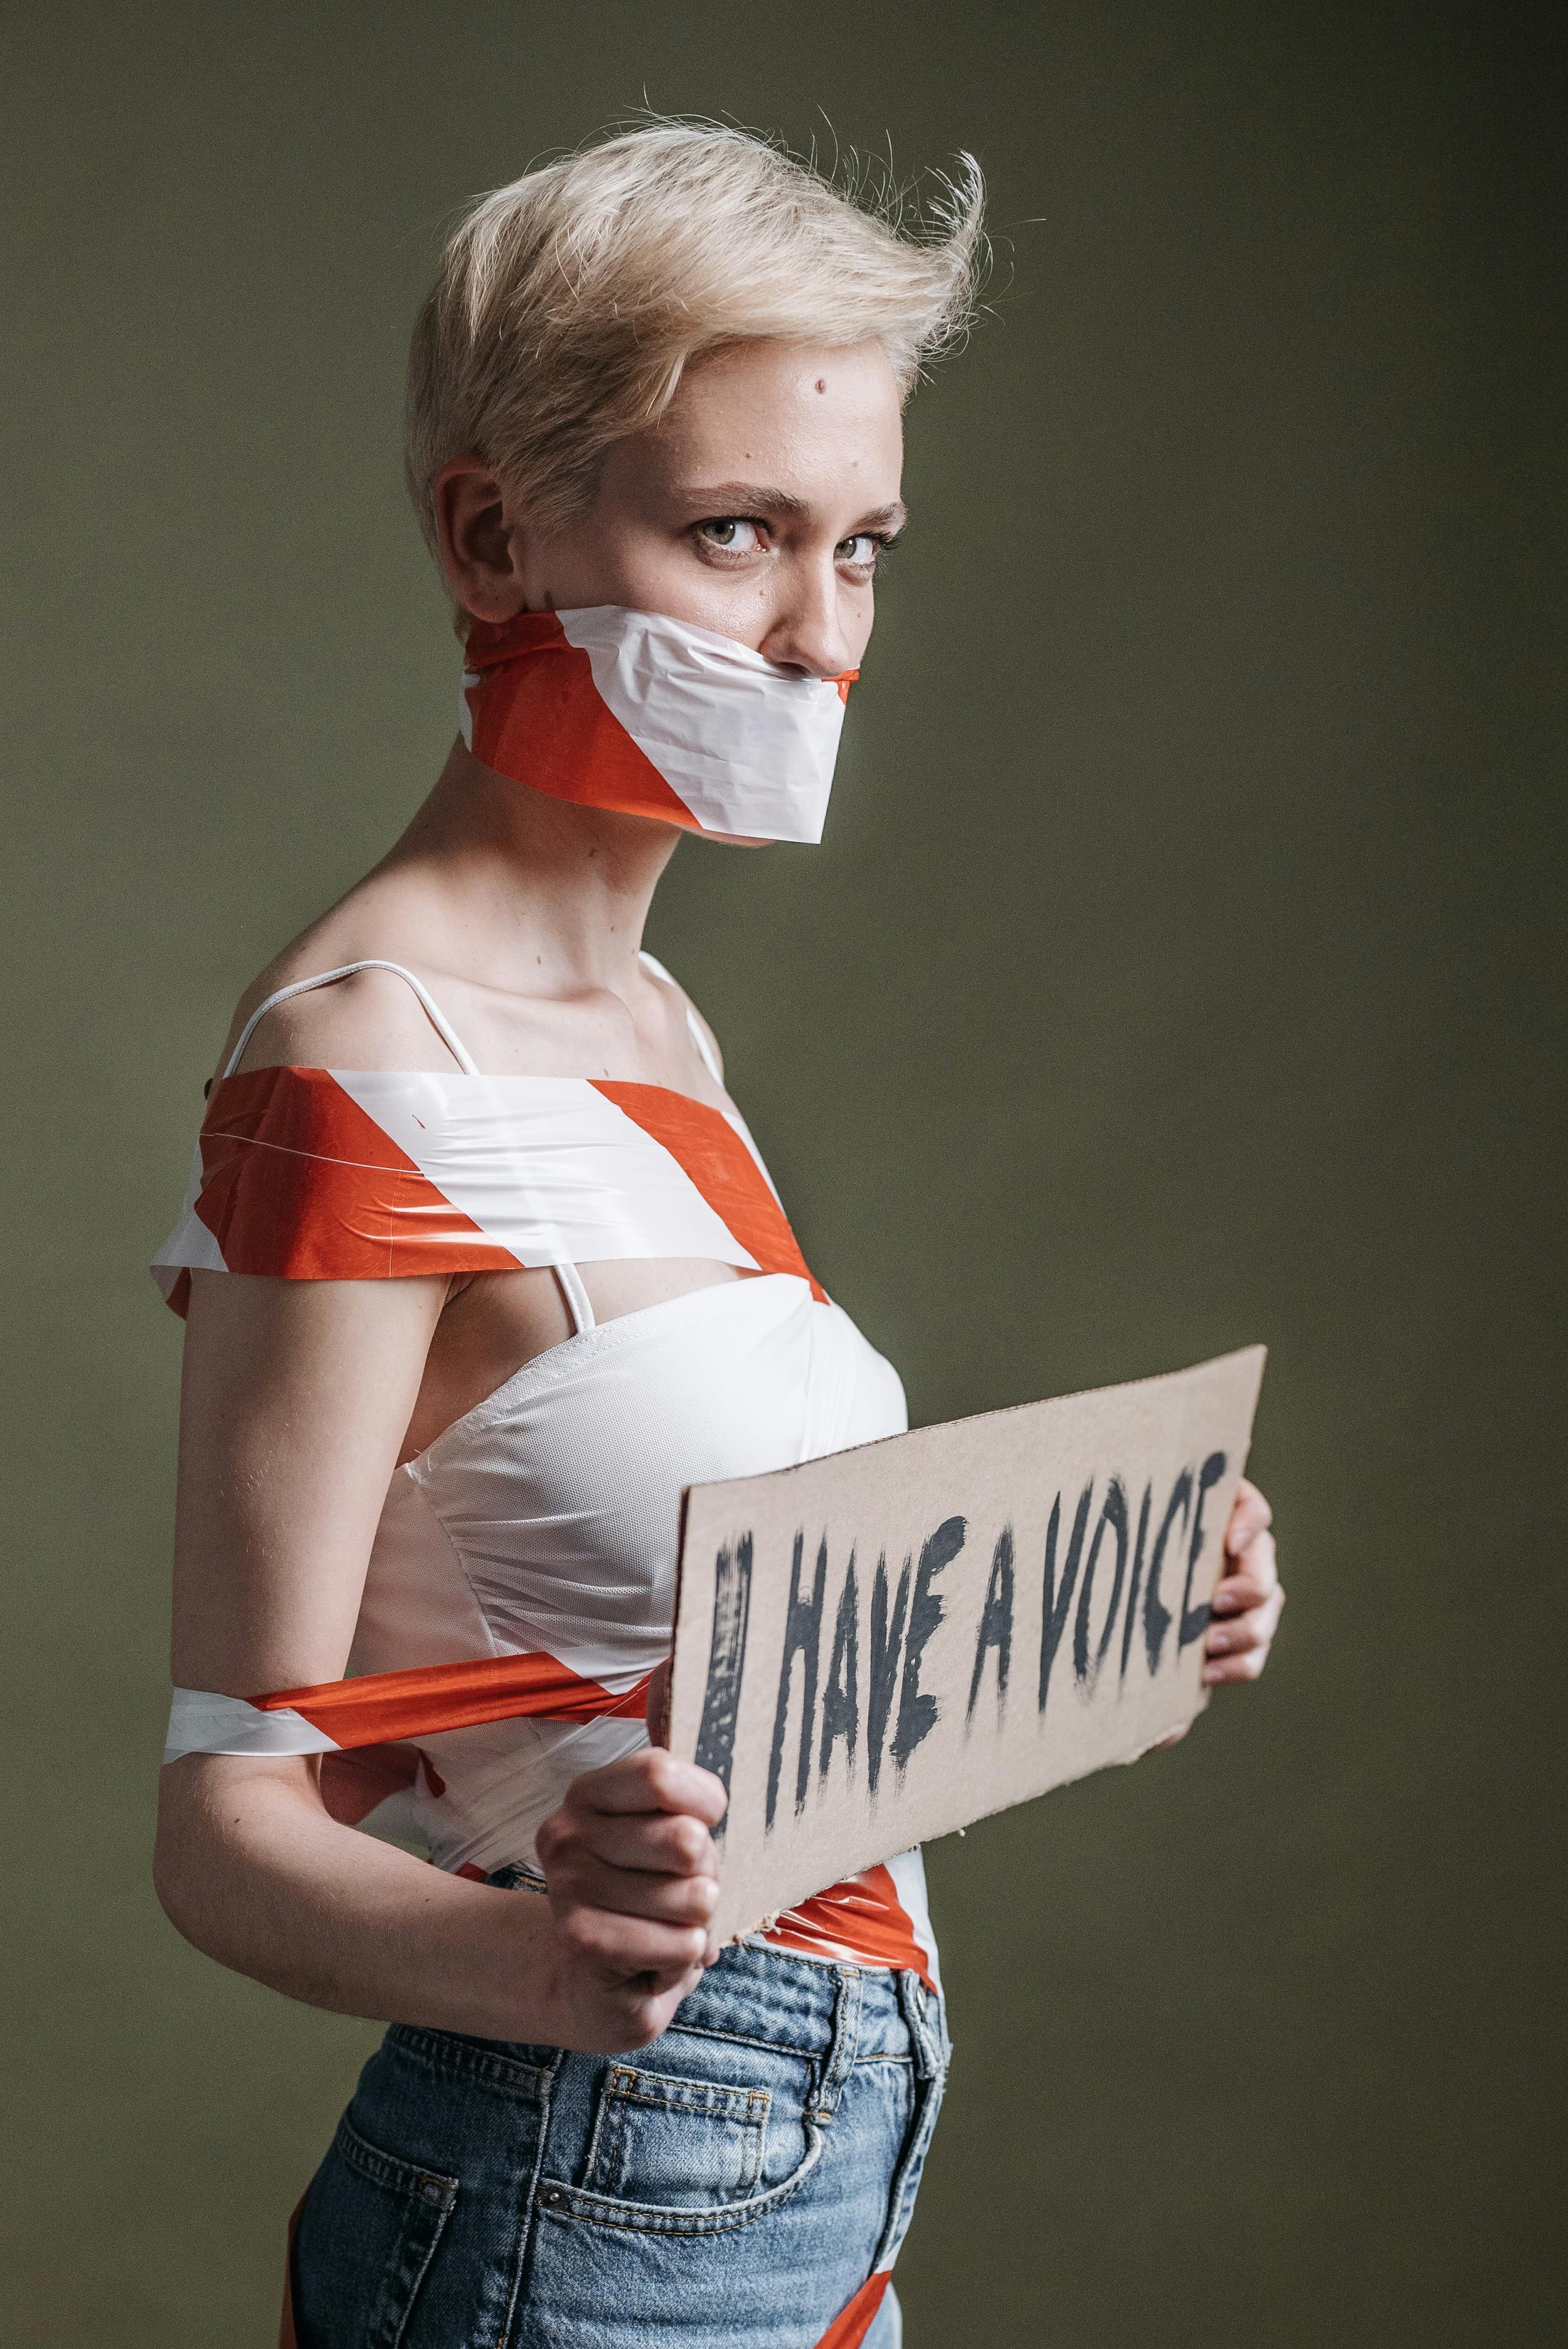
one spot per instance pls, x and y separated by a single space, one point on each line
479 539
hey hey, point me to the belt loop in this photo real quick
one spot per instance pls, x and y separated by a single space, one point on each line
918 2004
844 2044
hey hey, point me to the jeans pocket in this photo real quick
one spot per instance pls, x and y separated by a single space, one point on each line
373 2223
683 2145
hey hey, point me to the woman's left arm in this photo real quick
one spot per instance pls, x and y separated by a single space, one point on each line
1248 1598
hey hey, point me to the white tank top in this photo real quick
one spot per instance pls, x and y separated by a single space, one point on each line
537 1536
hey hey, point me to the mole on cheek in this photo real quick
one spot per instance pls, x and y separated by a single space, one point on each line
821 383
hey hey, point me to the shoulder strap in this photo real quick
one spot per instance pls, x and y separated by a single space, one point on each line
697 1032
346 971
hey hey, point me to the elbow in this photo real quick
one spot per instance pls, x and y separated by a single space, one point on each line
166 1886
174 1875
225 1826
206 1824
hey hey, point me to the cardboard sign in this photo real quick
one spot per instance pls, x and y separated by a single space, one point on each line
883 1645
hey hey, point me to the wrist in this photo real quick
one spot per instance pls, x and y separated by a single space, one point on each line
494 1969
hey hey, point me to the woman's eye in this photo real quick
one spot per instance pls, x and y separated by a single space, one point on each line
731 535
860 552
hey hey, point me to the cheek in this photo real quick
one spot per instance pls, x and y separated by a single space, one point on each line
859 608
613 558
675 580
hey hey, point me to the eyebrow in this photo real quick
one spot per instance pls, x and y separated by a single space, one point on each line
755 497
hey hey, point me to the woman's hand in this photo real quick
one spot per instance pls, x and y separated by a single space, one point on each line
632 1875
252 1869
1245 1609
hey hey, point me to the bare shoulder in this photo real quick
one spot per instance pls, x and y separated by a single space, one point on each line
675 993
366 1019
712 1040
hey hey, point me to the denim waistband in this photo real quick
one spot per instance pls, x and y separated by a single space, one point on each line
800 2005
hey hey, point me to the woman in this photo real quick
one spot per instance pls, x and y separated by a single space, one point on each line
481 1268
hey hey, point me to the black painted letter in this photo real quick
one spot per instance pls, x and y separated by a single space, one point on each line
1055 1602
841 1696
802 1636
917 1710
1156 1614
1113 1513
1194 1620
1137 1583
726 1662
996 1623
887 1643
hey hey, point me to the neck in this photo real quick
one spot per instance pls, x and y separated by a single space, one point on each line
543 889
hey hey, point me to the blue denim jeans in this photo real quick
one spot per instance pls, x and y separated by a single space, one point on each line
732 2186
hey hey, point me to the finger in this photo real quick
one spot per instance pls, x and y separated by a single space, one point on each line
658 1843
650 1781
657 1710
625 1892
1161 1744
649 1985
647 2005
1236 1594
1253 1582
1226 1669
621 1946
1243 1630
1238 1651
1250 1514
651 1843
1241 1633
647 2000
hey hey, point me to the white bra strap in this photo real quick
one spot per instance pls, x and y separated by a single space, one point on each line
576 1295
346 971
698 1034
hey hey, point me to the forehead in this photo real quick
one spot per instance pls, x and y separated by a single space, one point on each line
824 424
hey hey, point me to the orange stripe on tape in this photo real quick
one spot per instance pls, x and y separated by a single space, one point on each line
379 1707
850 2327
864 1916
299 1183
704 1144
537 717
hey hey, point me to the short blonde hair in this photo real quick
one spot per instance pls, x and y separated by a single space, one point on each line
569 304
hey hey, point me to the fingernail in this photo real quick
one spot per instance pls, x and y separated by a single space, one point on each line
1218 1643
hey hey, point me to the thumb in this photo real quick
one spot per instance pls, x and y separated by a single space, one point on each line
658 1704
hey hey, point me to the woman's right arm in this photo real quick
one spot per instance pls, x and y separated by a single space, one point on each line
296 1399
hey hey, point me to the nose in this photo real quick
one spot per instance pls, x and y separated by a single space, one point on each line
806 632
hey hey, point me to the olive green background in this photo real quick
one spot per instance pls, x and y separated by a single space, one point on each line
1175 974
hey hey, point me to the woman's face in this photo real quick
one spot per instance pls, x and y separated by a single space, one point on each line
759 507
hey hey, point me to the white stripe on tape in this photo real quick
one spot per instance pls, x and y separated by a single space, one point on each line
200 1723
